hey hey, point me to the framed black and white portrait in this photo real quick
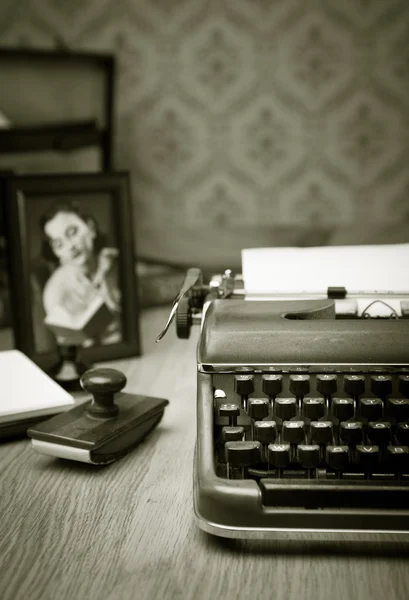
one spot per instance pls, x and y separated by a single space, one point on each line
72 265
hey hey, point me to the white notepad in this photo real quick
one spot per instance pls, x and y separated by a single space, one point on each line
26 391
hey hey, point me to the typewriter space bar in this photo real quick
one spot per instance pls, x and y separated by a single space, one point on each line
331 494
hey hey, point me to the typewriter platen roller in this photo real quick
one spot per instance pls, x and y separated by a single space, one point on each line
302 410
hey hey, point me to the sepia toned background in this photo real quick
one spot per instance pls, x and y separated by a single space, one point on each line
248 122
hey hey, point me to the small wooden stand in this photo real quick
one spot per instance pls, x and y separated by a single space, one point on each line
69 369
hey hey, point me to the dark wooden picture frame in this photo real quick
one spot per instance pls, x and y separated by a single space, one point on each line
29 196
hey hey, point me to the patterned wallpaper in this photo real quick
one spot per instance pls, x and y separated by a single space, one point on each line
247 114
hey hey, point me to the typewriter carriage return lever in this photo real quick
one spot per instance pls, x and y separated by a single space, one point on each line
188 303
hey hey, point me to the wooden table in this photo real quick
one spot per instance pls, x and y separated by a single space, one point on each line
126 531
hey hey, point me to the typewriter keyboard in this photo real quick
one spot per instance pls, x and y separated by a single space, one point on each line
281 427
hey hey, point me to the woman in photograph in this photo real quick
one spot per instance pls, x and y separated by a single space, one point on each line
85 268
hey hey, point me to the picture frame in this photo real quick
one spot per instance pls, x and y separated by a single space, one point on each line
58 225
71 111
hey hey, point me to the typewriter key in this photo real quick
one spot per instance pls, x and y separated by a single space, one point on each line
351 432
239 456
354 385
299 385
265 432
367 457
379 433
271 385
397 458
232 434
327 384
244 386
404 385
371 408
232 411
313 408
381 385
321 432
242 454
337 457
279 456
293 432
219 395
258 408
343 408
285 408
398 409
402 433
308 455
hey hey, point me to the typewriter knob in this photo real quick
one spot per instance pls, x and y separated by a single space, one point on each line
183 319
192 285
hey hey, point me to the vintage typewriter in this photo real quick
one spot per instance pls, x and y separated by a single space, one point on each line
302 410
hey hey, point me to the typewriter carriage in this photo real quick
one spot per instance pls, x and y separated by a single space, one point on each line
188 306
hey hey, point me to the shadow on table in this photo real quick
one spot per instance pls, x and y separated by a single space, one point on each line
302 547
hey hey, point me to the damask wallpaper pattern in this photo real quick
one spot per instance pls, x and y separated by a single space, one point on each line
248 114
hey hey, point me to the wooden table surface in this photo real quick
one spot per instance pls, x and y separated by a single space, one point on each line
126 531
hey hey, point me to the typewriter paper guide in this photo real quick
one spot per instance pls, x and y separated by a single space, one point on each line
383 268
26 391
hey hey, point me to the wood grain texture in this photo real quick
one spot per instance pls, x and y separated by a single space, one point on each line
74 531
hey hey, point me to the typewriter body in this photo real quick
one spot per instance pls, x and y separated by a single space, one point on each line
302 410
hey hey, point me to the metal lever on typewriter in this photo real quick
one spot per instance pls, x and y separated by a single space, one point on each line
190 299
183 304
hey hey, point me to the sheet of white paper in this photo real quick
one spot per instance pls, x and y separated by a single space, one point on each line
312 270
26 391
